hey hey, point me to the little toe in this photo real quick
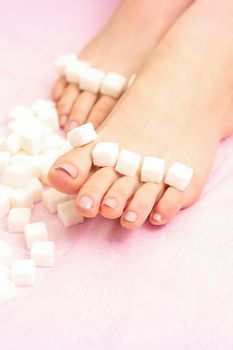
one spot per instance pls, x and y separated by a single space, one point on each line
117 197
66 102
71 170
94 189
81 110
167 207
140 206
58 88
101 110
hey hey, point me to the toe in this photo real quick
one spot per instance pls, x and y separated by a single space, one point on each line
94 189
167 207
140 206
58 89
101 110
71 170
81 110
117 197
66 102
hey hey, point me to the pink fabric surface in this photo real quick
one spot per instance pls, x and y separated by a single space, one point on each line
167 288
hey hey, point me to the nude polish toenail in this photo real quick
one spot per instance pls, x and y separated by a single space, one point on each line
85 203
70 169
72 125
130 216
157 217
111 203
63 120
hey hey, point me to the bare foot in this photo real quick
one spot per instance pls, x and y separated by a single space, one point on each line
179 107
121 46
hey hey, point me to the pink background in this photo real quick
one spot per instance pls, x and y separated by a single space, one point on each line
163 289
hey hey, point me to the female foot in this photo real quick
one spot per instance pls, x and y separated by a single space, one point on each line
121 47
179 107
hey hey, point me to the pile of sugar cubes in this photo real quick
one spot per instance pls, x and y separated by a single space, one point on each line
28 147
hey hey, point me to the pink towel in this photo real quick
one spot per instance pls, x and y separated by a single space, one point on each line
163 289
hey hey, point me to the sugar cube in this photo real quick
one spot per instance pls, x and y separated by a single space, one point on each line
13 142
105 154
43 253
16 175
6 253
17 219
49 117
4 271
35 188
4 160
128 163
34 140
41 104
5 203
152 169
7 290
21 198
51 199
113 84
91 79
64 61
179 176
23 272
34 232
82 135
20 111
75 70
68 214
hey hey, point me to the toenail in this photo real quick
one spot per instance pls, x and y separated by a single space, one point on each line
69 169
157 217
85 203
72 125
130 216
111 203
63 120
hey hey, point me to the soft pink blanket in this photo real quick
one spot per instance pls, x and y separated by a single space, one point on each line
163 289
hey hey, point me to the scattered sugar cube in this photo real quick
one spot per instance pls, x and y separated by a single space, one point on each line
91 79
6 189
13 142
105 154
35 188
23 272
152 169
6 253
43 253
34 232
82 135
128 163
5 203
4 271
75 70
51 199
18 218
63 62
56 142
7 290
4 160
20 112
68 214
34 140
16 175
179 176
41 104
113 84
49 117
22 198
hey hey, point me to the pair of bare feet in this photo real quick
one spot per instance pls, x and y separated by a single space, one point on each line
179 107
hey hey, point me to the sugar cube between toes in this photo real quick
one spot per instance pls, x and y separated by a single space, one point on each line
68 214
34 232
128 163
23 272
17 219
63 62
91 80
152 169
51 199
6 253
105 154
113 84
74 71
179 176
82 135
43 253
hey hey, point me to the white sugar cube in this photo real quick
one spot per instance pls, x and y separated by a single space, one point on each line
105 154
17 219
34 232
56 142
49 117
43 253
82 135
34 140
21 198
5 203
20 111
4 160
179 176
63 62
51 199
91 79
35 188
7 290
13 142
75 70
128 163
68 214
152 169
113 84
41 104
6 253
17 175
6 189
23 272
4 271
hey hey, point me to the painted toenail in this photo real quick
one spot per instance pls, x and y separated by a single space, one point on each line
157 217
130 216
85 203
72 125
63 120
111 203
69 169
